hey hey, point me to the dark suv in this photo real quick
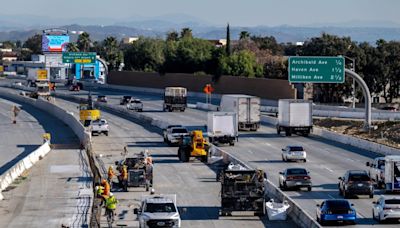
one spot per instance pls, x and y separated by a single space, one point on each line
356 182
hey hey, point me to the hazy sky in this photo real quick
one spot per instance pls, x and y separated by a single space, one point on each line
237 12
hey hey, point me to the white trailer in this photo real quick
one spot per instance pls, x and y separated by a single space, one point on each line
222 127
392 173
246 107
294 116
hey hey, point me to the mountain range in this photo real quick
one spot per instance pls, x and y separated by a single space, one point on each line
21 27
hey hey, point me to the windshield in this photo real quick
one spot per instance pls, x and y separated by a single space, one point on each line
392 201
359 177
160 208
296 171
338 204
296 148
179 130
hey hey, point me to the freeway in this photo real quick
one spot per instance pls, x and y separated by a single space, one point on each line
327 160
193 183
57 190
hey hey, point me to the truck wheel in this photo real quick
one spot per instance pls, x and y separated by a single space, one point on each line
278 130
231 143
106 133
186 156
287 132
204 159
180 154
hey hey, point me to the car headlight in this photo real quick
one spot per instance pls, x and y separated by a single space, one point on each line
176 222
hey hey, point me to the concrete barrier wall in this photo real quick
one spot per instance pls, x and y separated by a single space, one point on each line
265 88
24 164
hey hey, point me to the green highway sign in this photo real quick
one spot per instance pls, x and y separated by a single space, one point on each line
79 57
321 69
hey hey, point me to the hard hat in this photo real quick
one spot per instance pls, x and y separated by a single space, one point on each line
152 191
111 194
111 166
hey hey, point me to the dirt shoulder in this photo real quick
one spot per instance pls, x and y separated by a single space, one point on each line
387 133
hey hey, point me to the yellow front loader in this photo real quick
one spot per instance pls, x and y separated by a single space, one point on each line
194 145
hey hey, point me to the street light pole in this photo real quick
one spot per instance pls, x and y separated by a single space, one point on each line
353 68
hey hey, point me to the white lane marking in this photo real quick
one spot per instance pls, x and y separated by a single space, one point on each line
359 215
268 144
330 170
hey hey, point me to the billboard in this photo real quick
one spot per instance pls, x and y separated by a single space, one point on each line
54 43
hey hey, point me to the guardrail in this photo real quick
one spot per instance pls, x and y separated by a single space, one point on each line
299 216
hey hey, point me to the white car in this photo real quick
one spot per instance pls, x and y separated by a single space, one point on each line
386 208
294 153
135 104
99 126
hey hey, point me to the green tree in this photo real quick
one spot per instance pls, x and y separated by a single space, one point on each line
329 45
72 47
268 43
242 63
244 35
145 54
8 44
172 36
84 42
186 33
228 41
112 54
34 44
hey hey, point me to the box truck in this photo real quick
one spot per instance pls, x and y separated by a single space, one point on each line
294 116
222 127
385 171
175 98
246 107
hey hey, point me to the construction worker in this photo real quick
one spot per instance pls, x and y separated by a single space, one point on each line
106 187
124 178
110 175
111 204
99 190
15 111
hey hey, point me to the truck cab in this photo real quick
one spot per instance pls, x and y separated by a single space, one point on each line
158 211
386 172
377 170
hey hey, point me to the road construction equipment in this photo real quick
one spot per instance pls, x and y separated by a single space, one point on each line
87 112
194 145
136 171
242 190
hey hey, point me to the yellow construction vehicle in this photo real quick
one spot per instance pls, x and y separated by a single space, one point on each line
87 112
194 145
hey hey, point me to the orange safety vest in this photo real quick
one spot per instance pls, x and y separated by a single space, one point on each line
124 173
107 189
110 173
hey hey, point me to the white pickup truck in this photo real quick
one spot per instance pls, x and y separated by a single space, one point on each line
135 104
158 211
174 134
99 126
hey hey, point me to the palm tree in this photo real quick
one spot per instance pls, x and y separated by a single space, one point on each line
186 32
72 47
84 42
112 53
244 35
